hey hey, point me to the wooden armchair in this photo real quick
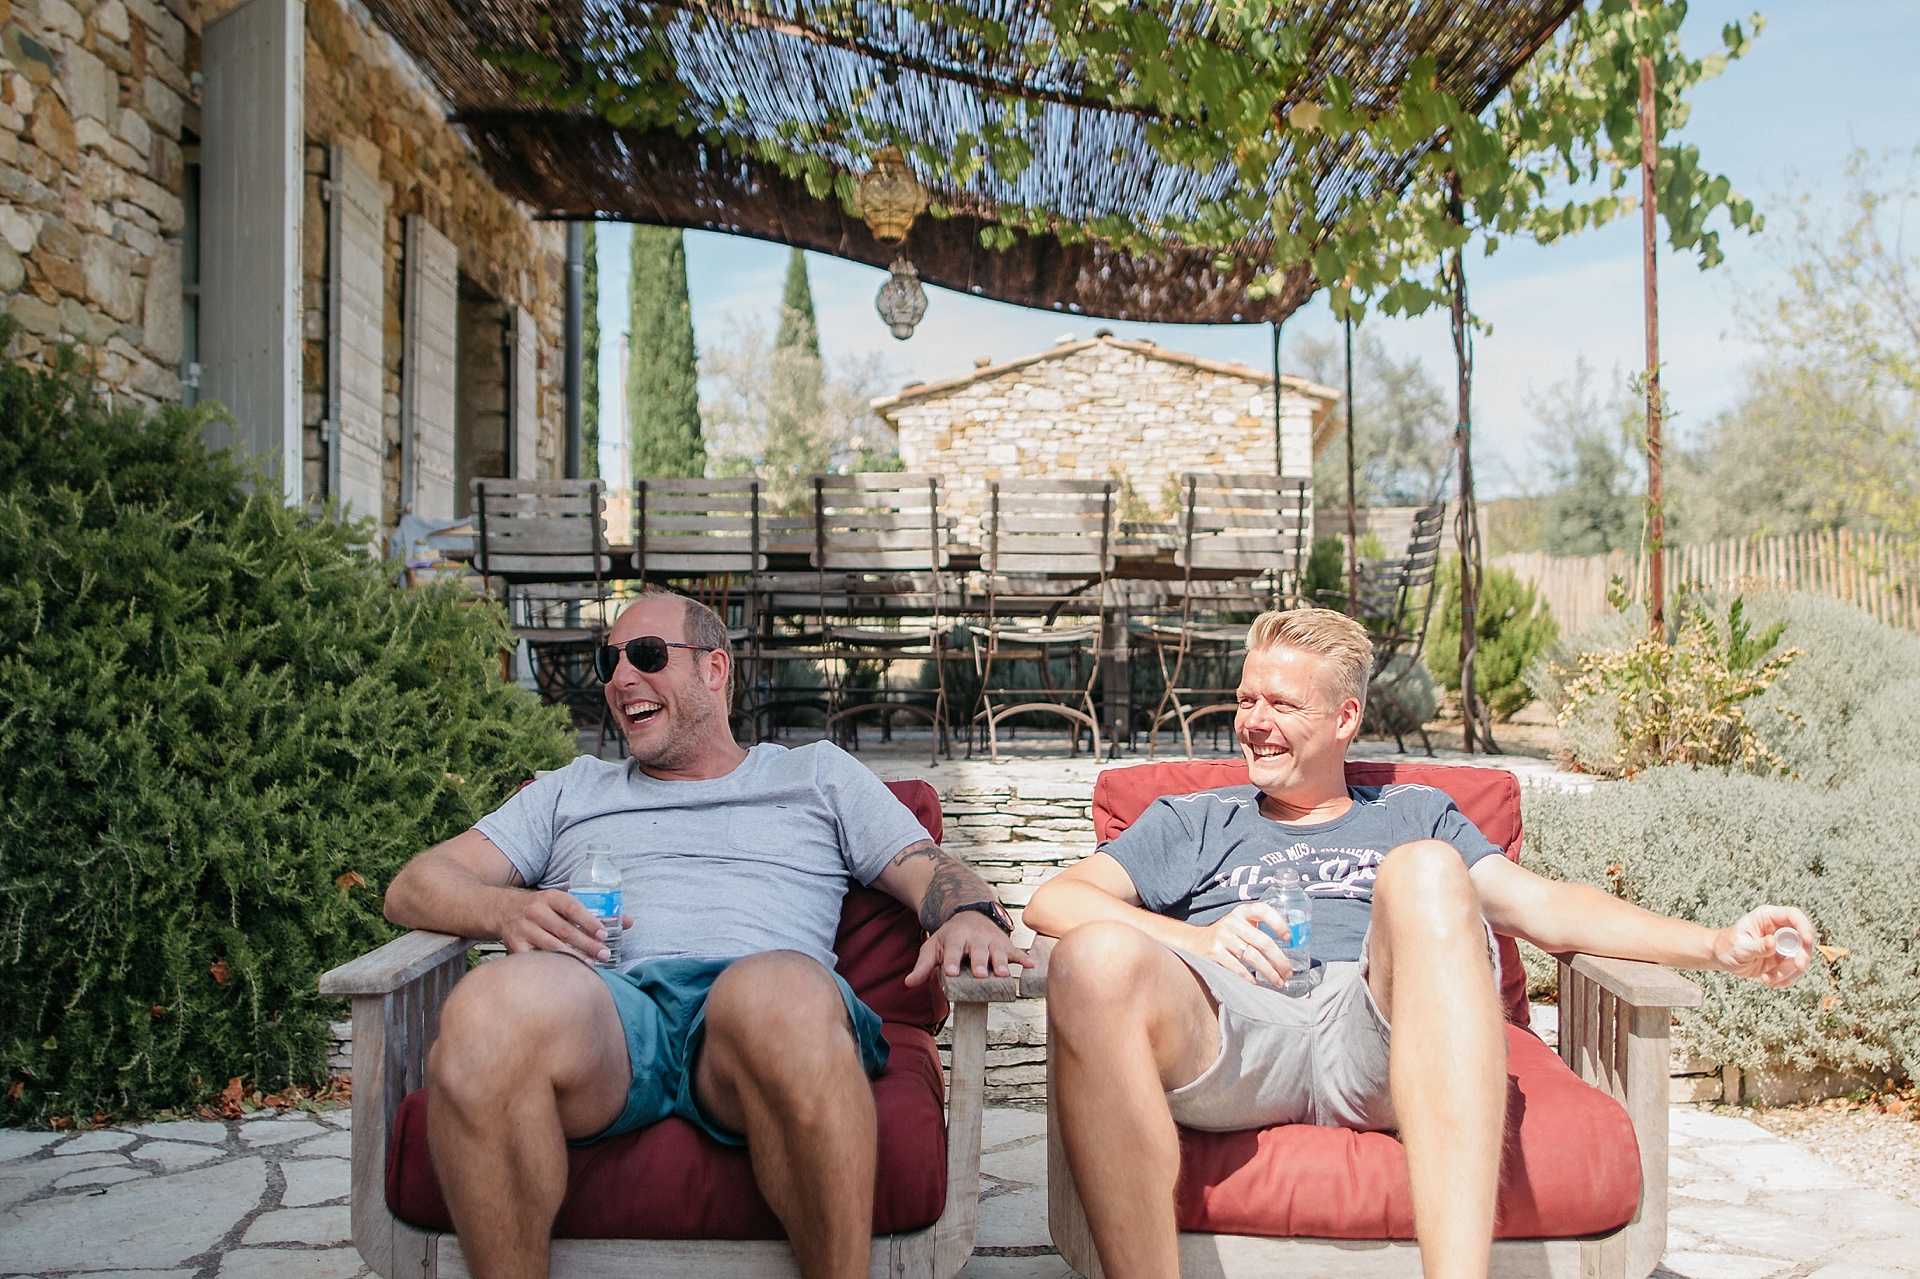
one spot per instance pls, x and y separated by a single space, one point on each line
1604 1173
398 992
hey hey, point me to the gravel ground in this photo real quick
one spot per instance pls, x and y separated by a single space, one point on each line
1882 1149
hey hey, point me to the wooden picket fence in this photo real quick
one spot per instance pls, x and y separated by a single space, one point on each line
1868 570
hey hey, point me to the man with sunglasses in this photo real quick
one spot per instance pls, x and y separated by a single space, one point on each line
725 1009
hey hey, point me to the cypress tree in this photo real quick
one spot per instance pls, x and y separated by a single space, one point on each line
590 364
663 376
798 441
798 328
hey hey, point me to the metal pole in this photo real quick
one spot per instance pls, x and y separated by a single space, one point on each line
575 339
1353 507
1279 454
1280 469
1649 237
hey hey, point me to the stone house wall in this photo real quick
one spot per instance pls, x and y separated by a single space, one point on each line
1099 409
98 101
93 98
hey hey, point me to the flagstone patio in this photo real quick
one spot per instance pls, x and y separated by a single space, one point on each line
266 1198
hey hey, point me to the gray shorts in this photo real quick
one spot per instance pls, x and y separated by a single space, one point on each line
1318 1058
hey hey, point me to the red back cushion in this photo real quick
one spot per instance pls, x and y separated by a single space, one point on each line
1489 797
879 939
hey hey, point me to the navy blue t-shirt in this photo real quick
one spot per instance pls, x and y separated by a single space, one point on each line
1195 857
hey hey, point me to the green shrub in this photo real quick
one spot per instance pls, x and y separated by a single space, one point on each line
1513 627
1709 845
1684 701
222 730
1852 702
1326 572
1840 839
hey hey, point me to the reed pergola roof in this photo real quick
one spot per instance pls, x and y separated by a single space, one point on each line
754 68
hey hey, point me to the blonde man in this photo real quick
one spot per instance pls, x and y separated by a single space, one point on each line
1161 997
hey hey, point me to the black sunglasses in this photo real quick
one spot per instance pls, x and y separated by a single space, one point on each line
648 655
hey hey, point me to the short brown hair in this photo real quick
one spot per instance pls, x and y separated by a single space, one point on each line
1345 644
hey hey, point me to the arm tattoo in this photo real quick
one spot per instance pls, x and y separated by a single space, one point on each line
953 885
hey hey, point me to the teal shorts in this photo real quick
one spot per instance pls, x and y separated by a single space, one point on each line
663 1010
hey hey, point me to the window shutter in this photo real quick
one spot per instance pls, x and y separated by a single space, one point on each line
355 312
427 372
251 191
525 390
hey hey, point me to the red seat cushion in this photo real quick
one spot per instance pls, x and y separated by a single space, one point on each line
1572 1163
671 1181
1571 1167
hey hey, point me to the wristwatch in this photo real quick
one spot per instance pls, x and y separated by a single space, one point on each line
992 910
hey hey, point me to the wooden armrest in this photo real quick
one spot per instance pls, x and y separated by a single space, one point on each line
1028 983
1636 984
404 959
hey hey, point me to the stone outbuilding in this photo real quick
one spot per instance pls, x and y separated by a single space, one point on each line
1105 408
264 203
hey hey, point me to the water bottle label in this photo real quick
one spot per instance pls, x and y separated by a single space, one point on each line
604 903
1300 929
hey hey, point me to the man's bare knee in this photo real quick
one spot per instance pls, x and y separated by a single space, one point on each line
778 1018
1097 972
512 1023
1424 885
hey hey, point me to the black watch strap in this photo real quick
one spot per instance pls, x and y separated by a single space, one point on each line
992 910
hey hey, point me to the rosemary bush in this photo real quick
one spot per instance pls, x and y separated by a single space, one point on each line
1838 836
222 730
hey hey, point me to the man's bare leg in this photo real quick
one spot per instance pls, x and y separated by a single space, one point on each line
779 1063
1126 1022
530 1054
1430 973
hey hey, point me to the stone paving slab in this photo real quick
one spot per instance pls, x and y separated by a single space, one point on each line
185 1200
1746 1205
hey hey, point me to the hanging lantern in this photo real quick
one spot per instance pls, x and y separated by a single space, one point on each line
890 196
901 301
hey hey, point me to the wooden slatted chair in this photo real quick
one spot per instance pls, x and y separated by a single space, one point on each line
1583 1183
1257 527
1395 601
703 538
1048 551
543 544
880 558
660 1185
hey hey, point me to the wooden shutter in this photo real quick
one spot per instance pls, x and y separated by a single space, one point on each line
251 192
524 391
355 315
427 372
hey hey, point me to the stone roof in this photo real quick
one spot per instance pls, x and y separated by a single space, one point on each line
1323 423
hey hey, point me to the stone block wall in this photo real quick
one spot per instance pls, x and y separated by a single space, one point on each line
1018 835
96 98
1097 410
93 97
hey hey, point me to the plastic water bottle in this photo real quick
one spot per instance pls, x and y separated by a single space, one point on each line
596 884
1287 895
1786 943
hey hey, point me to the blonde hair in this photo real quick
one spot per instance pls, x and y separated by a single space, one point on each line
1345 644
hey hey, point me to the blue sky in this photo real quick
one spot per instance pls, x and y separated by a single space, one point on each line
1823 79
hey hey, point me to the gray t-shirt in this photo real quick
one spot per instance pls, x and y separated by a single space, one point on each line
1196 857
754 861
